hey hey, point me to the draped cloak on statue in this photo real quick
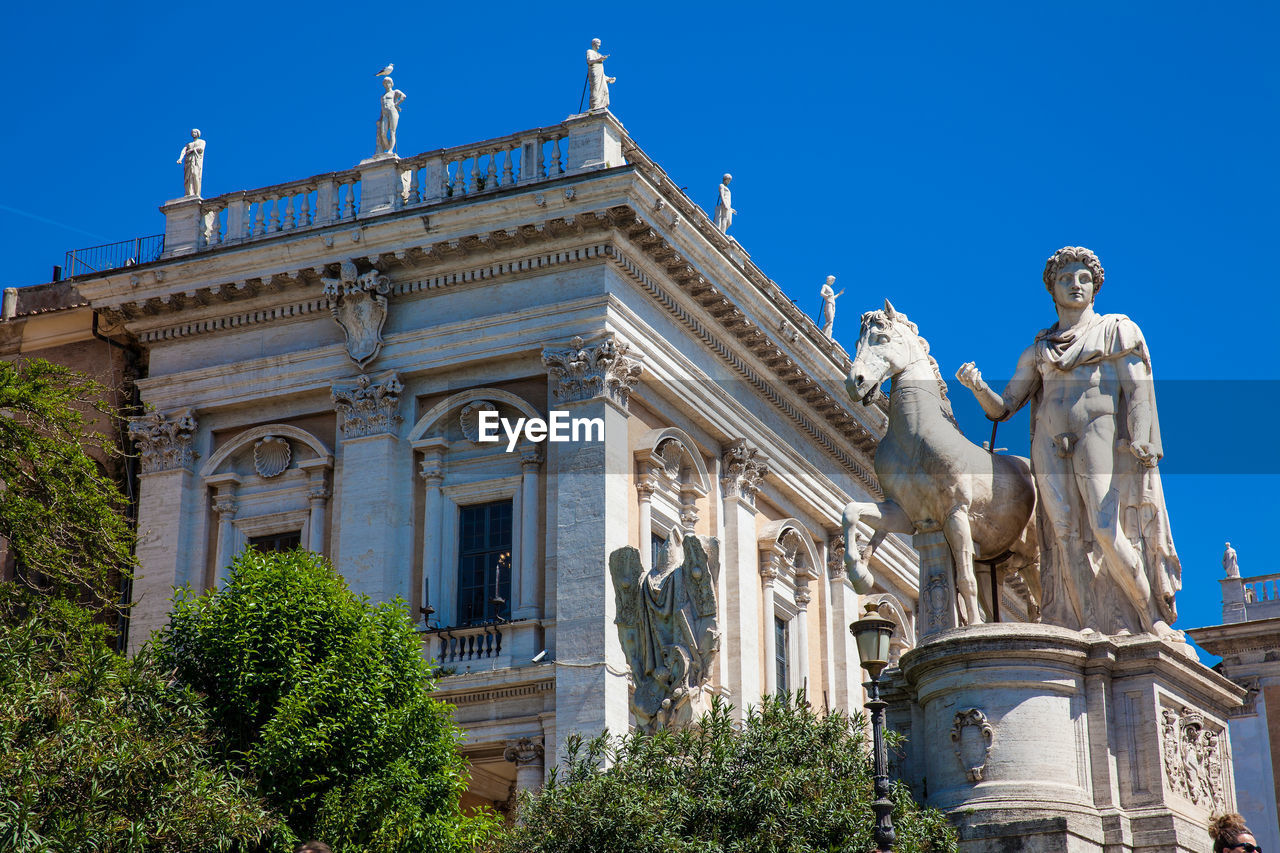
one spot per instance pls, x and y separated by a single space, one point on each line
1144 519
598 86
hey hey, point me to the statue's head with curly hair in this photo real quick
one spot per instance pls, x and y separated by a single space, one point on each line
1229 834
1073 254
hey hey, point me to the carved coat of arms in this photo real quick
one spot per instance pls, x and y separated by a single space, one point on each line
359 304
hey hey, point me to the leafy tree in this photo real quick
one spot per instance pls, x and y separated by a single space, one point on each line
324 699
62 516
103 753
788 780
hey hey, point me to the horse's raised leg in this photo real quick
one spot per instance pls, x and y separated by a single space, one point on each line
884 518
960 538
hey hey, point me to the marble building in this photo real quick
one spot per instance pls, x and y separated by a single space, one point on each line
1248 641
322 356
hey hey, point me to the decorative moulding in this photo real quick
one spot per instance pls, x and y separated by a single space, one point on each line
469 418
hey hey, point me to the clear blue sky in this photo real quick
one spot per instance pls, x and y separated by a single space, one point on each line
932 153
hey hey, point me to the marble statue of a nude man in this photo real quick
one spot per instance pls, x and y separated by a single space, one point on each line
1107 558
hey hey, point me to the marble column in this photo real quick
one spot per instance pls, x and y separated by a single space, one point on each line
526 591
527 754
225 505
433 575
769 574
592 483
170 500
803 597
845 666
645 488
741 471
376 487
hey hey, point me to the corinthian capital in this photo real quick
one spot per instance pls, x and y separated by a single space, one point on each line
368 407
744 469
165 441
585 371
523 751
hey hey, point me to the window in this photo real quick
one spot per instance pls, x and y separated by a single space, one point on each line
276 541
781 642
657 551
484 562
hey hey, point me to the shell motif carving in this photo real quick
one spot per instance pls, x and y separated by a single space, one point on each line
271 456
971 737
469 418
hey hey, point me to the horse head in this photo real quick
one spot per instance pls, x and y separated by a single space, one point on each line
887 345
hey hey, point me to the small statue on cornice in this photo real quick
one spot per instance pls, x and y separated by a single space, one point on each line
829 297
1229 562
597 82
359 304
192 159
724 206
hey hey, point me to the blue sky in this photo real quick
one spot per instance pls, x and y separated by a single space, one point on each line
931 153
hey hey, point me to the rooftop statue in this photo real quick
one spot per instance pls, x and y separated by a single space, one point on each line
724 206
597 82
1108 561
1229 563
389 118
192 160
829 297
932 476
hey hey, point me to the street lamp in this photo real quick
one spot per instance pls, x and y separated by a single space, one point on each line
871 634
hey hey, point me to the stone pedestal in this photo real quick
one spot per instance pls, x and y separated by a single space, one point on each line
1036 738
595 142
381 187
182 226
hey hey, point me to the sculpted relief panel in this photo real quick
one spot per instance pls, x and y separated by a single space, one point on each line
668 627
1193 757
359 305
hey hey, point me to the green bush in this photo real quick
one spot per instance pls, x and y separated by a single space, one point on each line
323 698
102 753
789 779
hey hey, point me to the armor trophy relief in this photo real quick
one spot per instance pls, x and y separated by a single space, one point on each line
1071 682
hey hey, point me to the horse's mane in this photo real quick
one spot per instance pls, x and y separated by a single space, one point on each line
901 319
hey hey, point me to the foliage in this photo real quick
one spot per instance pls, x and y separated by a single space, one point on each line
62 516
789 779
324 699
103 753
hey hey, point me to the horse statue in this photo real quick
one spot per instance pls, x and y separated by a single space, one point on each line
933 476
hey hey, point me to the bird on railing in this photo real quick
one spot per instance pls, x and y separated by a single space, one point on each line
384 72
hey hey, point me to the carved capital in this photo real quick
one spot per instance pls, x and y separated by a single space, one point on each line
744 469
835 558
524 751
226 506
586 371
367 407
318 493
803 596
531 459
165 441
689 517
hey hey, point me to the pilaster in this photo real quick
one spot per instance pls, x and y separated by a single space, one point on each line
742 470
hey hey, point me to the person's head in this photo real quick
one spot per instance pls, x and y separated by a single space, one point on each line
387 83
195 133
1230 835
312 847
1070 270
595 44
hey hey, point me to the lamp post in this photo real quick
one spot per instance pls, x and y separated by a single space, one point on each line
872 633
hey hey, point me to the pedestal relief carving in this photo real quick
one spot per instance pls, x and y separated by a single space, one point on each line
668 626
368 407
592 370
1192 758
359 305
744 469
971 737
271 456
165 441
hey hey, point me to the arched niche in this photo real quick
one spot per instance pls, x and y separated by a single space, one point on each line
269 481
672 483
789 543
444 419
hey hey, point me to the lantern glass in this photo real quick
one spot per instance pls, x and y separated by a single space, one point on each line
872 634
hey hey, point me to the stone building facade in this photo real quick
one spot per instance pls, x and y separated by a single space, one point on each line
1248 641
323 354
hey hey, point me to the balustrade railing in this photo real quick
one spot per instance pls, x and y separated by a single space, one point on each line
449 173
453 646
126 253
1261 588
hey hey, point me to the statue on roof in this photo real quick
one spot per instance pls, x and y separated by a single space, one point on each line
724 205
597 82
389 118
192 160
